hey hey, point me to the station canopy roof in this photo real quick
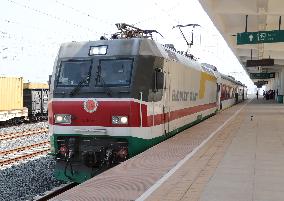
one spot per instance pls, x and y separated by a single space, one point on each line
253 30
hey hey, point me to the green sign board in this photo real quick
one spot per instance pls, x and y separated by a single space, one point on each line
260 37
262 75
261 62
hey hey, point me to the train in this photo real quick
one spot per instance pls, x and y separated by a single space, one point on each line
112 99
22 102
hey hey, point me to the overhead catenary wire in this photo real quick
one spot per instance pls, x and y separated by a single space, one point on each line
84 13
19 45
40 12
52 38
155 16
166 12
17 38
43 31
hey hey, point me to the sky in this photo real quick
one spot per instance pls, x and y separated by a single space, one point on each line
31 31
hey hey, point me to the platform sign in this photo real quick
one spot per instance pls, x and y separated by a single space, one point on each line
262 75
260 37
260 82
261 62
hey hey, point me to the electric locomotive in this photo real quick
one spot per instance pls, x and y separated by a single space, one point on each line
112 99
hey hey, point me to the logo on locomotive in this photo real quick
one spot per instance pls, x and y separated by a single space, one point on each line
91 105
178 95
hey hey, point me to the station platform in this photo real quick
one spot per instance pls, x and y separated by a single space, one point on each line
236 155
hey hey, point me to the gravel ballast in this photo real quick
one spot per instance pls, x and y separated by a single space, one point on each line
23 141
27 180
23 127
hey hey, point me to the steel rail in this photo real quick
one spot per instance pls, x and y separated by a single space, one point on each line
23 157
18 149
56 192
10 136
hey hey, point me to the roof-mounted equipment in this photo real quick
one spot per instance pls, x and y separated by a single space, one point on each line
129 31
179 26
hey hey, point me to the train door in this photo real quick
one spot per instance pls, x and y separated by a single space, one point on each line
166 98
243 94
222 95
236 95
218 95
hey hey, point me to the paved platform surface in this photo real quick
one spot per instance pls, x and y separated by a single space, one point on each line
245 162
242 160
253 166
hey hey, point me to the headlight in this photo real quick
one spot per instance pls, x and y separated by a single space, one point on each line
98 50
119 120
124 120
62 118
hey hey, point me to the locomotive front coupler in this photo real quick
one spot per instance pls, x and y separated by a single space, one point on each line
67 148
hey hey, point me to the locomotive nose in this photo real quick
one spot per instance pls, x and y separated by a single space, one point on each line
83 113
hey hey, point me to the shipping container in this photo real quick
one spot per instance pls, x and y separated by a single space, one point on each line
36 99
31 85
11 93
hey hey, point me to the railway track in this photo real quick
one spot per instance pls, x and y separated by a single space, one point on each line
55 192
19 124
10 136
8 157
5 152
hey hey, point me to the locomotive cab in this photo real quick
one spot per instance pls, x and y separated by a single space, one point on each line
122 71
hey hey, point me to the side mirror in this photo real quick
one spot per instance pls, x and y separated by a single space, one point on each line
158 79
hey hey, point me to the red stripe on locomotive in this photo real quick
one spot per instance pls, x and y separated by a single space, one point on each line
106 109
102 116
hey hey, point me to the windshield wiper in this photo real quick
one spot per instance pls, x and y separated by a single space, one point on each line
77 88
106 89
99 78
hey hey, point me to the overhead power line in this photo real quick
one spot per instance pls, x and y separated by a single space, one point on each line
20 40
37 28
166 12
51 16
156 15
84 13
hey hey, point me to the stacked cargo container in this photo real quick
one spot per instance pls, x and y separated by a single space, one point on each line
36 100
11 100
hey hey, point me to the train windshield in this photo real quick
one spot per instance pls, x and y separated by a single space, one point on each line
114 72
71 73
